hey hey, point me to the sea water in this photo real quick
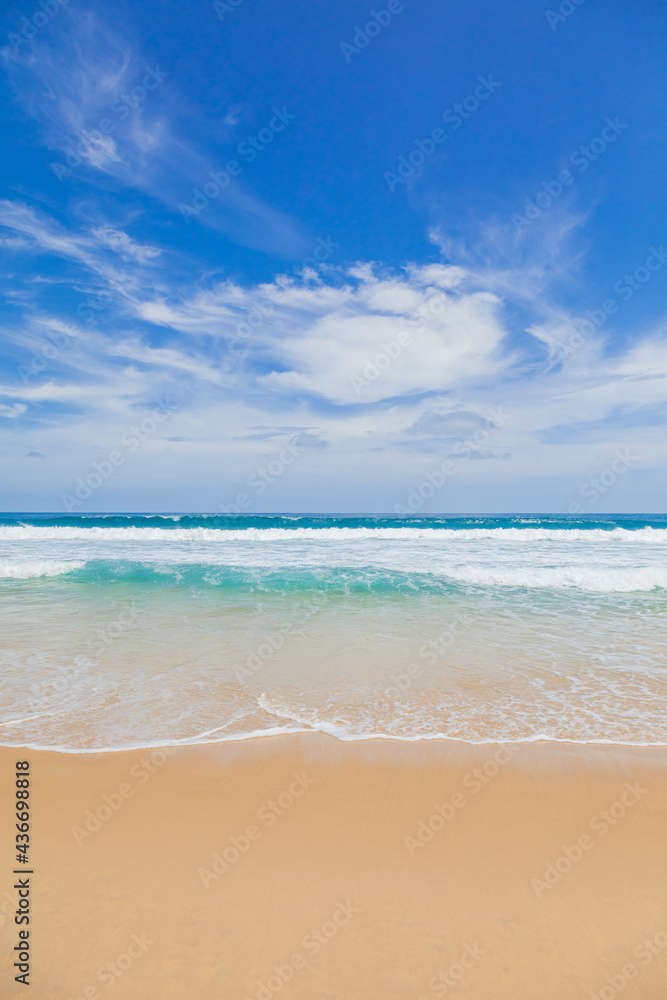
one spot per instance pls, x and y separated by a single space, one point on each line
137 630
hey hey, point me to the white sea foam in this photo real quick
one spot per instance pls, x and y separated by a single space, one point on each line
603 579
25 569
334 731
655 536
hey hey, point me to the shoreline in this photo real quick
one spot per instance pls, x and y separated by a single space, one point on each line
375 737
533 869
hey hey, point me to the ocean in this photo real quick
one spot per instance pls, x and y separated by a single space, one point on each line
137 630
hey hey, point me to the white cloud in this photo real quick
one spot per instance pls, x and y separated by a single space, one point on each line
44 234
124 245
164 357
647 359
279 354
325 339
86 74
11 412
356 356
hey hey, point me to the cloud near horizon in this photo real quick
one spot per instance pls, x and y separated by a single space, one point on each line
380 364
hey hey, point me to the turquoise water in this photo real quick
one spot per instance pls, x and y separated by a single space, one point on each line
135 630
292 521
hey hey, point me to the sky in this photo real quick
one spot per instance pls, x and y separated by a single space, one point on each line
328 257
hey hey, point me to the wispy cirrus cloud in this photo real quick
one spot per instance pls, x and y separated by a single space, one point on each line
41 233
108 112
125 246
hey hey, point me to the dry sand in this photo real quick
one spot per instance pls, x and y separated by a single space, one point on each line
280 868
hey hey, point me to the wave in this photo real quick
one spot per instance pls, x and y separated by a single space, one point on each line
18 533
26 569
364 557
564 725
170 522
341 579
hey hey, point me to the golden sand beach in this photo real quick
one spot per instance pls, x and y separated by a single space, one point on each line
303 867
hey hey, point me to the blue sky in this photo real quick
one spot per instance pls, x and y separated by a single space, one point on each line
314 256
